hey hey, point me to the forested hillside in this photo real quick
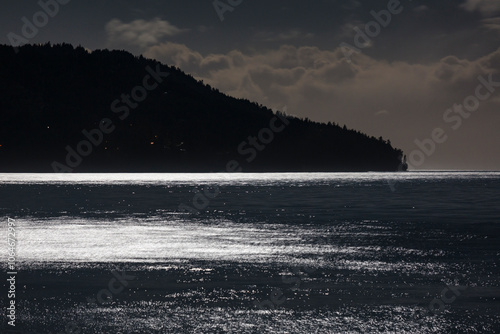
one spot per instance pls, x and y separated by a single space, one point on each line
65 109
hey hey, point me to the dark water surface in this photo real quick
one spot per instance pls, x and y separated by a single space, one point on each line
254 253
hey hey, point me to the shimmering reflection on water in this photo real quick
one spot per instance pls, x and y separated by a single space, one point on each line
155 239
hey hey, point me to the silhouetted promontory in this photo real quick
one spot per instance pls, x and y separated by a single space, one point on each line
65 109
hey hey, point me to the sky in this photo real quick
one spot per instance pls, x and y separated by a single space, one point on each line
423 74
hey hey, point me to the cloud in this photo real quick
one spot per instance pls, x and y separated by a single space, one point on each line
347 33
140 32
492 24
289 72
381 113
282 36
485 7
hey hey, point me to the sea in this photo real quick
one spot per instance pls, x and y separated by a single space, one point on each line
407 252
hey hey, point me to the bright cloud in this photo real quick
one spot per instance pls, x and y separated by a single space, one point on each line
140 33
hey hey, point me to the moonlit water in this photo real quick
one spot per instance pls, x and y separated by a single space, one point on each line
349 252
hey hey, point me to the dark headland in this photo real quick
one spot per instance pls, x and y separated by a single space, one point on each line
64 109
